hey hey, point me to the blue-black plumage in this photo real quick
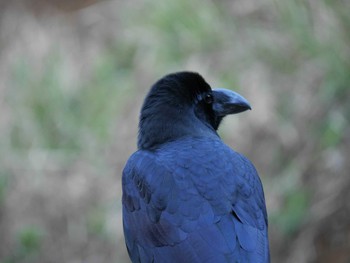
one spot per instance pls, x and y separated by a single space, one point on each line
188 197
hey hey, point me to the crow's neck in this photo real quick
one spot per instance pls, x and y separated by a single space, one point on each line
168 124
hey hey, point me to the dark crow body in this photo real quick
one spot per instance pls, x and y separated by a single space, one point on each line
188 197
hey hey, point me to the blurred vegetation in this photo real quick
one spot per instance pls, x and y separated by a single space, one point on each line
72 80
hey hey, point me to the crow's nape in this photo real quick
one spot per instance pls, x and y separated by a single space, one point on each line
188 197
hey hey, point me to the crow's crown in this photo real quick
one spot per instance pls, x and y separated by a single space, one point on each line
174 108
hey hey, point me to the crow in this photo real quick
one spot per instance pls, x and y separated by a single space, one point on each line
187 196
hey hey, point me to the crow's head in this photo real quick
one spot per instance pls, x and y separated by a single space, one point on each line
183 104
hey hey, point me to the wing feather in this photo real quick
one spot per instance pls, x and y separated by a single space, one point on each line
202 203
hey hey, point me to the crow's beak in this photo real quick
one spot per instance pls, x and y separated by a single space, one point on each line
228 102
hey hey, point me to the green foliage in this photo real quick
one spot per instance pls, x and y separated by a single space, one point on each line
326 47
30 239
52 115
177 30
333 130
4 181
95 221
293 213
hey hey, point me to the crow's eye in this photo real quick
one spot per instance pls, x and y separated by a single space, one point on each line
208 98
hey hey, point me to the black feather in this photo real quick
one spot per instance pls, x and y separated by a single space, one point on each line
188 197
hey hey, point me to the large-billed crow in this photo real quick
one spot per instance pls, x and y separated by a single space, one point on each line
188 197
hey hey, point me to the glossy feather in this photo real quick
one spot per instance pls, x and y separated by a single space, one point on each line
188 197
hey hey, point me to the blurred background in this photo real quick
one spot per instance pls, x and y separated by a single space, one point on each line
73 75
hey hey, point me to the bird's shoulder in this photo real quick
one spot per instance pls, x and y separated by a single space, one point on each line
193 186
195 172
